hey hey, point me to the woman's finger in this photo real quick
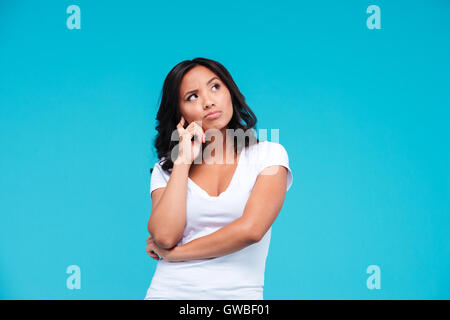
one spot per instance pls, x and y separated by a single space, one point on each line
188 133
149 249
152 252
199 132
153 255
193 129
180 126
196 130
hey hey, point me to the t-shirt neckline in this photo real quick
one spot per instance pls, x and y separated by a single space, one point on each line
206 194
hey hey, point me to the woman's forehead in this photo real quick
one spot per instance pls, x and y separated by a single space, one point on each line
197 76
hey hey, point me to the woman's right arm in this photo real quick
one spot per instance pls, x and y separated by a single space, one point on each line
168 215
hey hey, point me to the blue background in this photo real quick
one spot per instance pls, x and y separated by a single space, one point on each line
362 113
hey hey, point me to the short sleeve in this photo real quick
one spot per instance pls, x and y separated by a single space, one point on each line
159 178
273 153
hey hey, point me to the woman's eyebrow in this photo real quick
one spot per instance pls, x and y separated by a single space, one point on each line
193 91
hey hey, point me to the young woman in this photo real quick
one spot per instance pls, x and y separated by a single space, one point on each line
214 199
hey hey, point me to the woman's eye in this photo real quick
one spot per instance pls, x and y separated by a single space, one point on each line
189 98
215 87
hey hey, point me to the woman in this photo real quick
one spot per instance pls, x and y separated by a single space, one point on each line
213 200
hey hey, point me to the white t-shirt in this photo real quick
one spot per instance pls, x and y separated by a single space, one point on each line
239 275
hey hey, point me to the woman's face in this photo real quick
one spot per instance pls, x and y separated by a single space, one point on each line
201 92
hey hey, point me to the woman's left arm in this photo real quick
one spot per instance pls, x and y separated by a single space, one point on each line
260 212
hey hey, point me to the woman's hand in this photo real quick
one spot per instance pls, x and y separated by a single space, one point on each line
188 149
150 250
156 252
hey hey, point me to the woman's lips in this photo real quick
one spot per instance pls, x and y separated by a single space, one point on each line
214 115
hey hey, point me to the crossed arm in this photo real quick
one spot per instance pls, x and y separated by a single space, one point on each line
260 212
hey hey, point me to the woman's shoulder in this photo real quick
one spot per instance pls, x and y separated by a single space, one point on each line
270 153
263 151
266 147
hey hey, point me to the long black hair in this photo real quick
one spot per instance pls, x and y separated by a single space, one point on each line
169 114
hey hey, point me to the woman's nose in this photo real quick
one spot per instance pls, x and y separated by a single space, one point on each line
207 102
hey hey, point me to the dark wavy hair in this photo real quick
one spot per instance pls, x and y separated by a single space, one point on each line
169 114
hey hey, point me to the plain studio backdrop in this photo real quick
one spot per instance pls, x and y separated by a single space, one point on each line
362 111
